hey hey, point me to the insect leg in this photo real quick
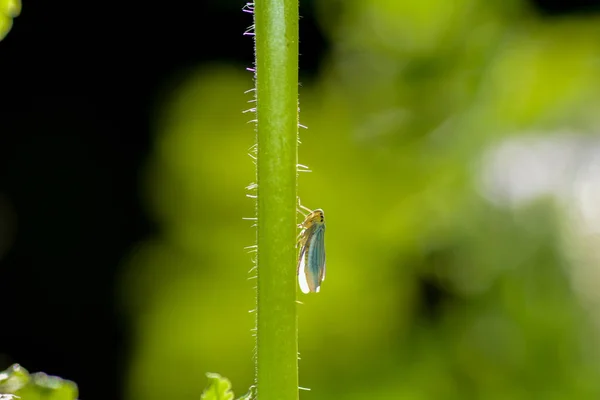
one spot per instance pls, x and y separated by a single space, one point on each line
302 208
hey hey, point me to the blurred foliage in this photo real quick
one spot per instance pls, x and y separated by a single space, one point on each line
9 9
220 389
18 382
431 291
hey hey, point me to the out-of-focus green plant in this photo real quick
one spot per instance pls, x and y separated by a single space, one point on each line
17 382
432 290
219 388
9 9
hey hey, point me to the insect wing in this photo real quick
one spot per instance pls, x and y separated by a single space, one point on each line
302 258
316 257
302 272
311 262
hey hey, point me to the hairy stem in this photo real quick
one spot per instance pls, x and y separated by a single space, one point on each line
276 40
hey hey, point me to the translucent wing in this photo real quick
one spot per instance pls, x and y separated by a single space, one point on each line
315 256
302 269
311 258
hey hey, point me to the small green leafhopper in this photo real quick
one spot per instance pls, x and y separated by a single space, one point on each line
311 259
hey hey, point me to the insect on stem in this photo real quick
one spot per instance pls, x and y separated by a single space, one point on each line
311 258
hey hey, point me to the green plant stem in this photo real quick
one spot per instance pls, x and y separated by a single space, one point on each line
276 40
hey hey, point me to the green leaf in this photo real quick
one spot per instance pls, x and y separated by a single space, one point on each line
13 378
47 387
219 388
9 9
16 380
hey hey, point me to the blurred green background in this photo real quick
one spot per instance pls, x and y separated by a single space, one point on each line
437 286
454 150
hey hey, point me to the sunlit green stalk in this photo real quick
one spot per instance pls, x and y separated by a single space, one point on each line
276 30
